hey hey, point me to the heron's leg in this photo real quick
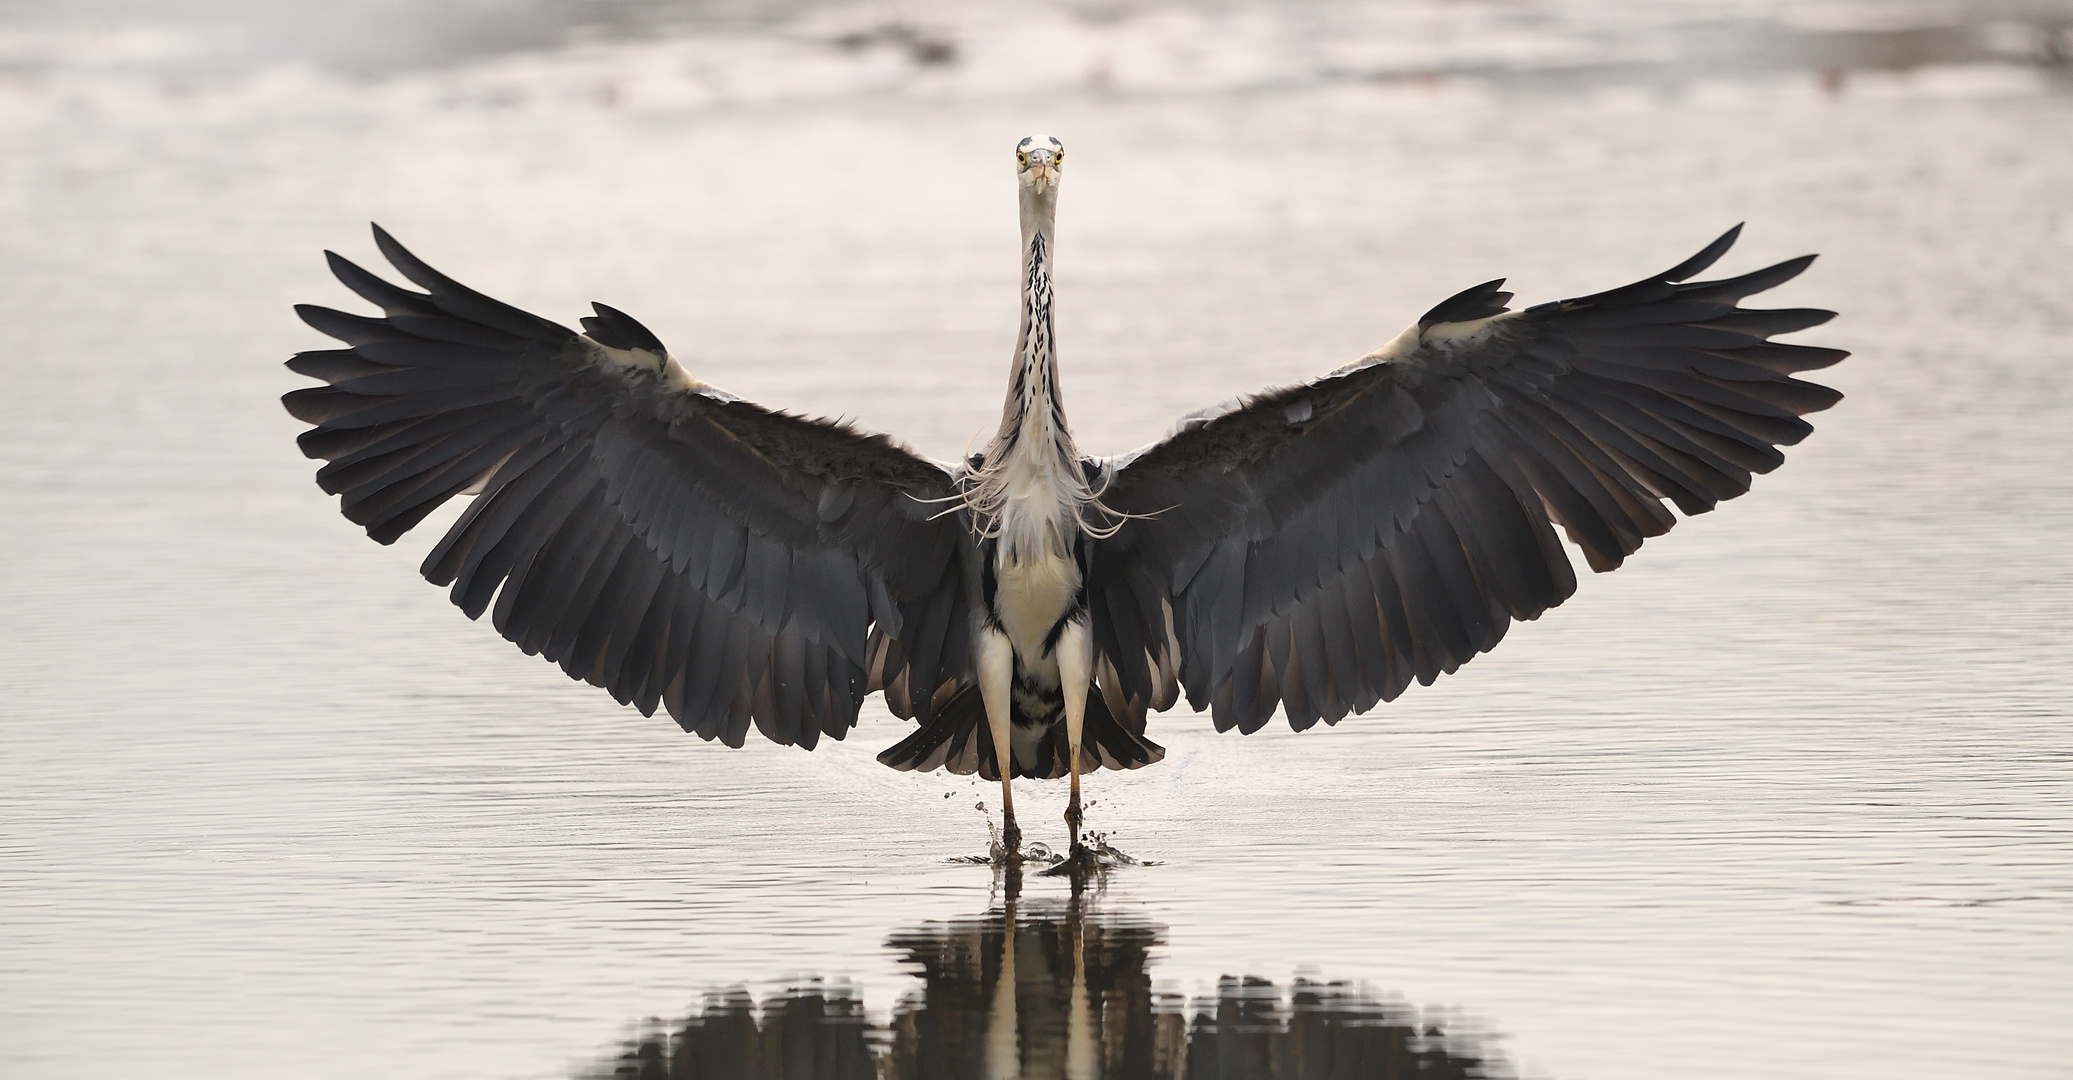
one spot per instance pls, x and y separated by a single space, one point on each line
996 676
1075 676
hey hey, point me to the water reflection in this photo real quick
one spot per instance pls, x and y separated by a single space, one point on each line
1048 988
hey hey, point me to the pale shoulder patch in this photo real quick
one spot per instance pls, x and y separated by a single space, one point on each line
638 359
1413 338
1397 348
668 368
1472 330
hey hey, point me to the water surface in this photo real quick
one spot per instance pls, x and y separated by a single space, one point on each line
1786 796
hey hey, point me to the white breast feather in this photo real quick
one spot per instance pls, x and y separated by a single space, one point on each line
1031 597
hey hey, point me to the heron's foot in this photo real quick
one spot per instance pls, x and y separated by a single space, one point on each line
1081 865
1091 859
1011 841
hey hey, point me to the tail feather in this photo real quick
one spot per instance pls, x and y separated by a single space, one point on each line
957 738
954 737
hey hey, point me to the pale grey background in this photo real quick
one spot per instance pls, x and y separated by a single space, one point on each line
1785 797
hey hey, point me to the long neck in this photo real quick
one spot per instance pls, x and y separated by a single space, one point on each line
1029 490
1033 417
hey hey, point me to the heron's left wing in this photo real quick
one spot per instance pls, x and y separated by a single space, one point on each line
665 540
1321 546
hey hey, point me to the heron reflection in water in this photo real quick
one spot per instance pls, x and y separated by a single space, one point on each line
1311 550
1054 990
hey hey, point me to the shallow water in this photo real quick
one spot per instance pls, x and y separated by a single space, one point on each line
1786 796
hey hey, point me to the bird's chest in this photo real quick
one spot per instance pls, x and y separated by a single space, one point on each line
1031 597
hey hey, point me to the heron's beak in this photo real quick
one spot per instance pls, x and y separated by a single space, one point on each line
1043 171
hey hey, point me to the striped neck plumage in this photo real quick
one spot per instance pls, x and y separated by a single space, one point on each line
1030 492
1033 417
1033 421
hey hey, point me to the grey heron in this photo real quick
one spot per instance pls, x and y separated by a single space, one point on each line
1311 549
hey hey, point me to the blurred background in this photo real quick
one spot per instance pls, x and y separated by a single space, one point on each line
1786 796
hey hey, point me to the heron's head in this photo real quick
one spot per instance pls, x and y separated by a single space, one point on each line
1038 160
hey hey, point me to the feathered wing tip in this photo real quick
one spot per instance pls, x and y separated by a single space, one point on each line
615 329
404 420
1476 302
1488 299
453 298
1667 285
1706 257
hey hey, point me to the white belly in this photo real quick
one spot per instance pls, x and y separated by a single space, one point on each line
1030 597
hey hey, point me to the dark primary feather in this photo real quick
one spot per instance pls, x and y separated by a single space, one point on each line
1319 547
679 547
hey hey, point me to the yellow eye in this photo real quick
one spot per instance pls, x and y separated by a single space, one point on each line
1057 157
1021 158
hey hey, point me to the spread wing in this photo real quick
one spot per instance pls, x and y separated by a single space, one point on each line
653 535
1318 547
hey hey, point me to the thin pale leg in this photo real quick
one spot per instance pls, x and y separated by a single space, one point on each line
996 676
1075 675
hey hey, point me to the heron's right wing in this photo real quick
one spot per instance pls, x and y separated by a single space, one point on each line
662 539
1317 548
